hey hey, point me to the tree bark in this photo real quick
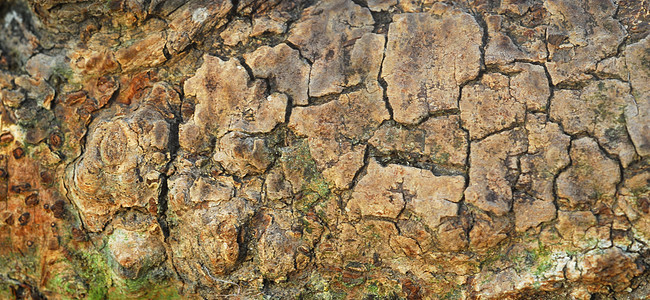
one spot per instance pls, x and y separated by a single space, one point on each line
324 149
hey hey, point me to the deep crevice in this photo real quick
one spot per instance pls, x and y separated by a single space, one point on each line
382 21
361 172
382 82
163 196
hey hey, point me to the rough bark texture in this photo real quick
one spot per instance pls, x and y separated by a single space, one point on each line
325 149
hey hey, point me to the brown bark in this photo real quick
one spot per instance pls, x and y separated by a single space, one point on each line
324 149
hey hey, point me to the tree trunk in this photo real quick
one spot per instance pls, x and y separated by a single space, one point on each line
324 149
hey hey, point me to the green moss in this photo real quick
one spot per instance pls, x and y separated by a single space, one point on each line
319 288
94 269
337 287
315 188
536 261
493 255
64 71
455 294
541 260
591 242
306 225
379 289
75 81
372 289
66 286
319 186
539 253
350 283
142 288
298 157
542 268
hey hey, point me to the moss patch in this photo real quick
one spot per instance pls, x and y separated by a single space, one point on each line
98 281
315 188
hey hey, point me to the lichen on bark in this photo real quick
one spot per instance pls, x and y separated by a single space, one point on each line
324 149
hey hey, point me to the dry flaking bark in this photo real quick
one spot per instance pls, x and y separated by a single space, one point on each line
324 149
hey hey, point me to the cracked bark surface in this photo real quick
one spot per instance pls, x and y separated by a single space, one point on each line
324 149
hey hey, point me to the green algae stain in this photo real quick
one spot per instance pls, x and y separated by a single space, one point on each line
90 276
94 269
142 288
315 188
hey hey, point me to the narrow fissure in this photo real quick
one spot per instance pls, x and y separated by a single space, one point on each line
163 195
